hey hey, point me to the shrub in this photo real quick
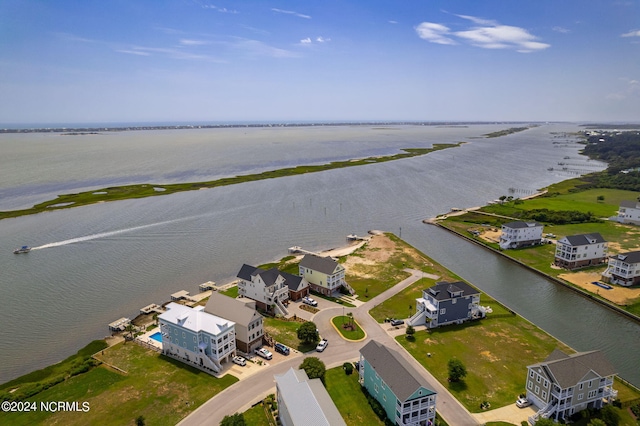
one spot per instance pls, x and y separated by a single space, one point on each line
348 368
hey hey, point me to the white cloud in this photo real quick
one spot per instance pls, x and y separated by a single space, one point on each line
133 52
634 33
258 48
393 22
305 41
189 42
321 39
487 34
561 30
291 12
435 33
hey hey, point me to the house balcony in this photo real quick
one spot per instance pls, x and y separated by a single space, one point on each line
561 395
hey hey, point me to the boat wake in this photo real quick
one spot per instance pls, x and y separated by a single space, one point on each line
103 235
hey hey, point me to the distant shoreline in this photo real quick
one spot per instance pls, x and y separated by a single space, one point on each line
133 127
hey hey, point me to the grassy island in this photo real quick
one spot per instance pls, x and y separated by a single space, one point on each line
150 190
506 132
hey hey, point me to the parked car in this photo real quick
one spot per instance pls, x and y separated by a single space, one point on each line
279 347
396 322
309 301
523 402
322 345
264 353
239 360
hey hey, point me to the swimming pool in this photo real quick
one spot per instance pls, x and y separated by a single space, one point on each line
157 336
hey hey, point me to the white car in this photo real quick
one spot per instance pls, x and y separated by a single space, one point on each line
264 353
322 345
523 402
239 360
309 301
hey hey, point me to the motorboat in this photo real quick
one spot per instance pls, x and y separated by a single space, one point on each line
23 249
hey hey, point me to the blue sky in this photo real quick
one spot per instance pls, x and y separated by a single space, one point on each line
200 60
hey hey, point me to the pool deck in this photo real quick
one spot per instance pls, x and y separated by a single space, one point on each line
146 338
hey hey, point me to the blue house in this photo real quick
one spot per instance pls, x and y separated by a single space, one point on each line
447 303
397 386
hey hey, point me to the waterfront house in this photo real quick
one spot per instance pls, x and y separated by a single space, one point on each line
565 384
196 337
396 385
267 288
248 321
324 274
447 303
520 234
304 401
629 212
578 251
623 269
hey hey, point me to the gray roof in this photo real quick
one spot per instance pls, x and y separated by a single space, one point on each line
443 290
568 370
248 271
521 224
629 204
326 265
628 257
232 309
294 282
401 377
307 401
585 239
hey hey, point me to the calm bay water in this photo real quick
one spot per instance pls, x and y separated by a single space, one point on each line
97 263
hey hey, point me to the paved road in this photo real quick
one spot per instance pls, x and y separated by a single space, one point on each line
245 393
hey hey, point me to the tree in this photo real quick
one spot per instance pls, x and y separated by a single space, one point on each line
314 368
140 421
502 198
410 332
308 332
457 370
130 328
235 420
600 198
596 422
610 416
545 422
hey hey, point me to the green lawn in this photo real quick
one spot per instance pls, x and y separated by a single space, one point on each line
161 389
403 304
356 334
256 416
231 291
286 332
349 399
495 351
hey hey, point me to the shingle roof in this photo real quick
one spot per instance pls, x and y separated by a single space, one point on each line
585 239
567 371
401 377
294 282
628 257
521 224
269 277
248 271
326 265
442 290
629 204
231 309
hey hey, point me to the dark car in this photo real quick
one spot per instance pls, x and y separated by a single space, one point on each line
396 322
279 347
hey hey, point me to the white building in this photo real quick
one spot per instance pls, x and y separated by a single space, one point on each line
623 269
305 402
629 212
268 288
578 251
196 337
520 234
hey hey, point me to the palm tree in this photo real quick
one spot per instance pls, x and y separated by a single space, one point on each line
130 328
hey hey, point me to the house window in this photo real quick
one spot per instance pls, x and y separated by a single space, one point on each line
443 311
590 382
537 391
580 396
546 383
592 394
530 385
581 386
544 395
531 373
538 379
375 387
384 397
